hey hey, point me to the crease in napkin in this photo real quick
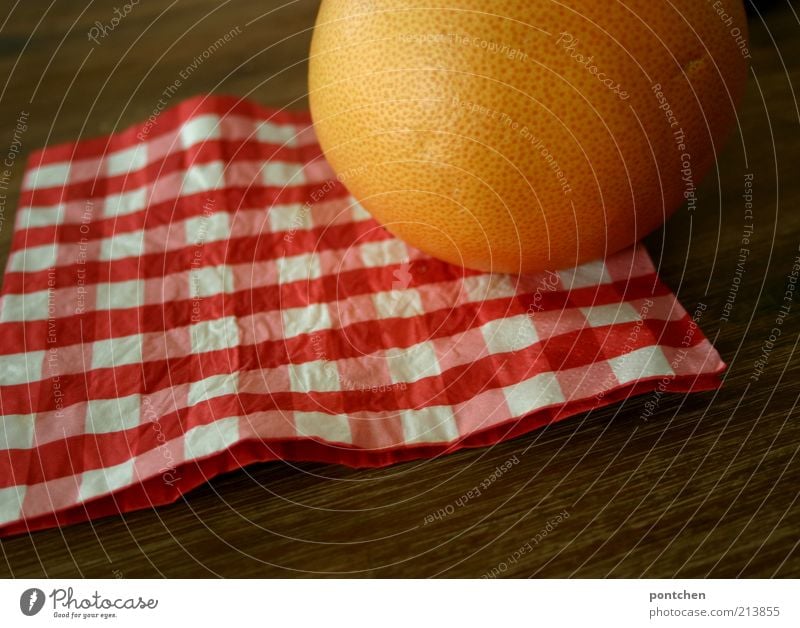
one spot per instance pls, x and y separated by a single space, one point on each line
199 292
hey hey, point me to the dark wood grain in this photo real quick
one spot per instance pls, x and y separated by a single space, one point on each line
706 486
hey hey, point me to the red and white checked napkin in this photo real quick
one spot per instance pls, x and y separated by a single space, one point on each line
199 292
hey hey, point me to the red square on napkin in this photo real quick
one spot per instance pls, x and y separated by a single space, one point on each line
200 292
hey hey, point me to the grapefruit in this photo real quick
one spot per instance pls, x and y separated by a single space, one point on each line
520 136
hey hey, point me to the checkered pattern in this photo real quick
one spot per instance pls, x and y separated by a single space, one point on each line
192 296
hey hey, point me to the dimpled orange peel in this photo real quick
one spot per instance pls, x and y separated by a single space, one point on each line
523 135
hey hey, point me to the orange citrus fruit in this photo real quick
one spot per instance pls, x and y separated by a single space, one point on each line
519 136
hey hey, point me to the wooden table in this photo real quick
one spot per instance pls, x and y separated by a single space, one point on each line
707 486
